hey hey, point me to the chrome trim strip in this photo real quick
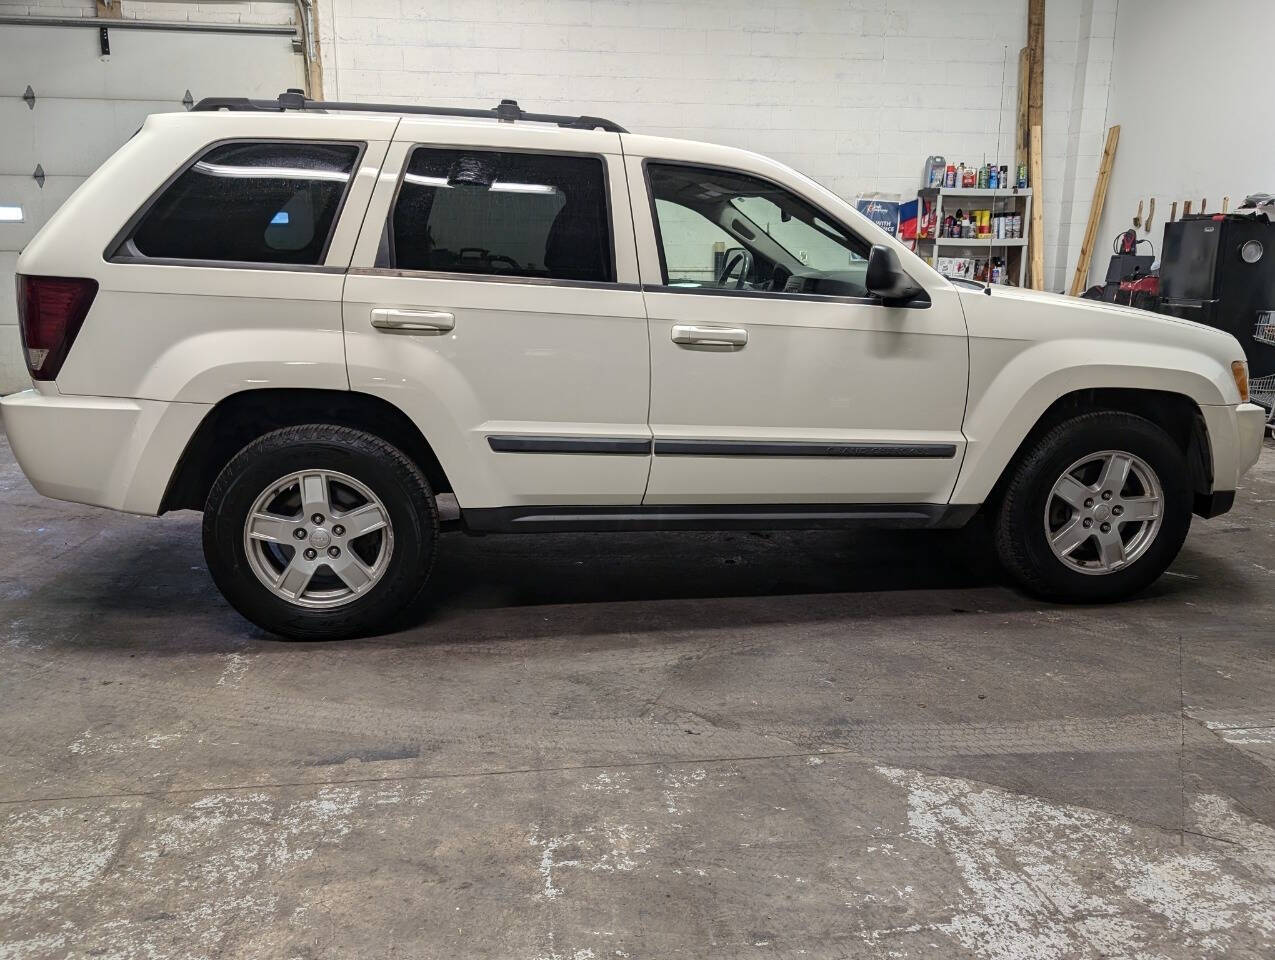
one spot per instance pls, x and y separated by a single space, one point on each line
761 294
490 278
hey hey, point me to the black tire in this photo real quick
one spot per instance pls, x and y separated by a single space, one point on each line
1020 537
382 468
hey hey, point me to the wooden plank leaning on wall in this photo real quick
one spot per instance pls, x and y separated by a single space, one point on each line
1081 277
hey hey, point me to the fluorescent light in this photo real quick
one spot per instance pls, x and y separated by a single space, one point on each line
523 187
11 213
417 179
279 173
500 186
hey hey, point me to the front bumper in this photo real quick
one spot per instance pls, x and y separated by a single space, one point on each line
1235 434
103 451
1251 427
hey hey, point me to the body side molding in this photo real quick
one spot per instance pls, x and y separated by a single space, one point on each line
601 519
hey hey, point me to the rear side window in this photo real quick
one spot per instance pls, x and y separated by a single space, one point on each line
249 203
504 214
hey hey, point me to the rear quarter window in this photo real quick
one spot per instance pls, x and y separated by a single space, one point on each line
248 202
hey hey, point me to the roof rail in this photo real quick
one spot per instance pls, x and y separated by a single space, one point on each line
507 111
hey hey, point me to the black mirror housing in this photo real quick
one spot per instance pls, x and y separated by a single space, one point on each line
886 279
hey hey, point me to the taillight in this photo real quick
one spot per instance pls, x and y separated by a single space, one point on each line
50 311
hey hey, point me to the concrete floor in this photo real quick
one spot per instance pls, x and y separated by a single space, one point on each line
805 745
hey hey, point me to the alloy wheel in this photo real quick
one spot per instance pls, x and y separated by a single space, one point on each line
1104 512
318 538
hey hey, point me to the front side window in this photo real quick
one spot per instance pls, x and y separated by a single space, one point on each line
503 214
723 230
249 203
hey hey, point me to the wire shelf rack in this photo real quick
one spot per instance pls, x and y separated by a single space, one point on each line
1262 390
1264 331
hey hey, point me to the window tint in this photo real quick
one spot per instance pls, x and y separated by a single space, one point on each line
725 230
509 214
251 203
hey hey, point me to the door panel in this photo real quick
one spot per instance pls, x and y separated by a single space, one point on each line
870 398
532 391
818 399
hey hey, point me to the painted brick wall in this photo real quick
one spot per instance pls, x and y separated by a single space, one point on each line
855 93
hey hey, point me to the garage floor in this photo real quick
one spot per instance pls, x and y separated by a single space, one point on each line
816 745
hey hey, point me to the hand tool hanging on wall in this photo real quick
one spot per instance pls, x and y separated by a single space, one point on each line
1137 217
1150 214
1173 211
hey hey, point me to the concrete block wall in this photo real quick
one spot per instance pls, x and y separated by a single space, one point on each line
855 93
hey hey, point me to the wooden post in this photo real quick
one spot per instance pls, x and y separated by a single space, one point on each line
1036 59
1035 124
1095 212
313 65
1036 231
1022 130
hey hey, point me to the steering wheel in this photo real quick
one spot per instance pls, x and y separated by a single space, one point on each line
742 258
487 257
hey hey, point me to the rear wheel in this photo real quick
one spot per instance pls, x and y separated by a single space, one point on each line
320 532
1096 510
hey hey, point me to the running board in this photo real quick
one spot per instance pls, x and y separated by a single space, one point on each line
614 519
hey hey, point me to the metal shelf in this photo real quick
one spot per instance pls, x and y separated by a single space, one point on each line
1006 193
976 242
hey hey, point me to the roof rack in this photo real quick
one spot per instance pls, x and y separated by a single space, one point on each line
507 111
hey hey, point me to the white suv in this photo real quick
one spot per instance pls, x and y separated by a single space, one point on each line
307 320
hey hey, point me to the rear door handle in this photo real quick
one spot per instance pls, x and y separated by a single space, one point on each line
422 321
693 335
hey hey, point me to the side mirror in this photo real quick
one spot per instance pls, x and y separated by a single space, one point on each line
886 279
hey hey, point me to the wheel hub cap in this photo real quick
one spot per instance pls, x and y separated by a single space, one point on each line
1104 512
318 538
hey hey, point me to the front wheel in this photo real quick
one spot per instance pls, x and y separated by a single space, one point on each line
1096 510
320 532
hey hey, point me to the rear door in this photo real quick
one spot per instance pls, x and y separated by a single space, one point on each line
493 297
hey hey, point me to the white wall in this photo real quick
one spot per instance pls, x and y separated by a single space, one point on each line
855 93
1191 89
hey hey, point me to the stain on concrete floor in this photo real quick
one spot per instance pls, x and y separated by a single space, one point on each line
781 745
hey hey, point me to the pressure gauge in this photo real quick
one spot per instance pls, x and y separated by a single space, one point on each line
1252 251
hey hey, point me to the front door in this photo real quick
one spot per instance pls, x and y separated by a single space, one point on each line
775 377
493 298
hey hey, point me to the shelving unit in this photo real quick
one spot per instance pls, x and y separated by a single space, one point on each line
1008 200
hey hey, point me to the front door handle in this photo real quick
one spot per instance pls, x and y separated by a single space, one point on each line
421 321
693 335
